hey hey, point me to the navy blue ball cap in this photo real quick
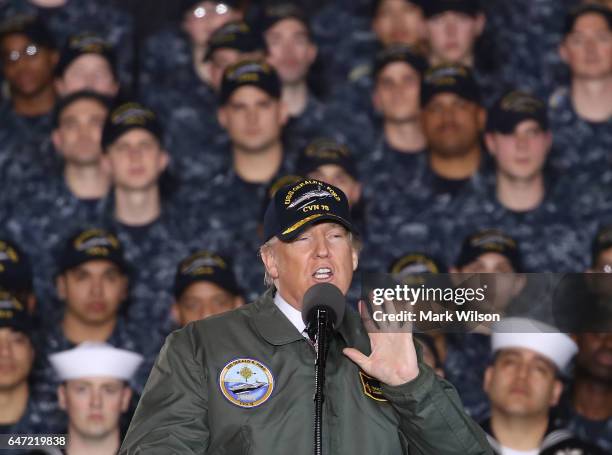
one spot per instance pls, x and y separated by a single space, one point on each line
256 73
14 313
449 78
296 207
205 266
128 116
513 108
89 245
15 267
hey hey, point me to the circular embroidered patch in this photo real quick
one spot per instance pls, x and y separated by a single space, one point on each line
246 382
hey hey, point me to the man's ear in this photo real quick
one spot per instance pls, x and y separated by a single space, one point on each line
56 140
61 396
269 259
481 22
556 393
482 118
355 257
222 117
126 396
488 377
175 313
60 286
283 113
563 52
164 160
60 86
490 143
313 51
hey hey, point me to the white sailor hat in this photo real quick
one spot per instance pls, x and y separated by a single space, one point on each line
537 336
90 359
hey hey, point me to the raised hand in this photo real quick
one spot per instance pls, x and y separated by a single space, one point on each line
393 360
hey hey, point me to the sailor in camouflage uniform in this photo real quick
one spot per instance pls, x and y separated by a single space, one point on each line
76 16
580 113
538 213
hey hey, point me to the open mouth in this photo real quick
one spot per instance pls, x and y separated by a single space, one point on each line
323 273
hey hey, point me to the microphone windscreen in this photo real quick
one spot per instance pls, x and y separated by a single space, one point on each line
324 295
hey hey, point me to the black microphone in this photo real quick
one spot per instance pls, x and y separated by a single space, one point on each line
323 296
322 311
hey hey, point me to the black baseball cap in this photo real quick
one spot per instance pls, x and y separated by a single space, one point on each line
513 108
205 266
400 53
326 151
296 207
90 245
82 44
274 186
277 12
237 35
250 72
67 100
128 116
411 268
434 7
15 267
586 8
449 78
602 241
489 241
32 27
14 313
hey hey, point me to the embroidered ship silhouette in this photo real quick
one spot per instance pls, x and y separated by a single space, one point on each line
246 388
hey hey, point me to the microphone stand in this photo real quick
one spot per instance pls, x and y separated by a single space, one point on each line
320 328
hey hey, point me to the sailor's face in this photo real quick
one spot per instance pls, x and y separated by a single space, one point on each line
323 253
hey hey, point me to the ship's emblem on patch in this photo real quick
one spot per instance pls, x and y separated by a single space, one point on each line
371 387
247 383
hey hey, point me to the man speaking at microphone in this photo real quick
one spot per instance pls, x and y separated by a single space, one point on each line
243 382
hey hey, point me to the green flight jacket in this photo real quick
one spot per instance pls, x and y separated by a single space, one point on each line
183 409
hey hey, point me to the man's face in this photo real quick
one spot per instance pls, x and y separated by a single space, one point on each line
28 67
399 21
290 50
522 154
94 405
88 72
595 355
451 124
136 160
322 254
78 135
223 58
452 36
336 175
489 263
522 383
206 17
253 119
203 299
16 358
93 291
588 48
396 94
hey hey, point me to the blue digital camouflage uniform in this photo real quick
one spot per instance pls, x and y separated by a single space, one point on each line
26 153
579 145
53 340
595 432
415 215
152 252
228 216
550 237
528 34
76 16
473 350
45 214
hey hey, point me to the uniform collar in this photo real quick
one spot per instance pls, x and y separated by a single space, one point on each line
278 329
294 316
